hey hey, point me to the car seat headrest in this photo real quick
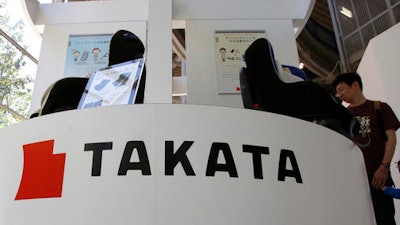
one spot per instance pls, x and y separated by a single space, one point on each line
124 46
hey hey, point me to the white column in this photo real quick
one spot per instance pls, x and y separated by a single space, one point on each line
159 52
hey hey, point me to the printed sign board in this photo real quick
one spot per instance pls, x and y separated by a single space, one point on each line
230 47
86 54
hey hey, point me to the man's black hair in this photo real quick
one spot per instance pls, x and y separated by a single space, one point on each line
348 78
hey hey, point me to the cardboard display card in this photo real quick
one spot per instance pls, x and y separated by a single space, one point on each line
113 85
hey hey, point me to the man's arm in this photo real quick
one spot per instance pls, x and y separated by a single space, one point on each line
382 173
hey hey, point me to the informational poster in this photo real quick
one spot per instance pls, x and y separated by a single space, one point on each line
113 85
229 50
86 54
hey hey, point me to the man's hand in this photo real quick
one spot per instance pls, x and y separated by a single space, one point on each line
380 176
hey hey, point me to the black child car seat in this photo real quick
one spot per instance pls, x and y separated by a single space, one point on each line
262 89
66 93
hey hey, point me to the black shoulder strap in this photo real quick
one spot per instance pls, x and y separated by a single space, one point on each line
377 107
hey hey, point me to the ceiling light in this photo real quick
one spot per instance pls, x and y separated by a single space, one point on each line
346 12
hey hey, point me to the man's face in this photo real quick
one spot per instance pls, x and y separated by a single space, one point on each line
345 92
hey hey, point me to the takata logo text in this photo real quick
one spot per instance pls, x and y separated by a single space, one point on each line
43 171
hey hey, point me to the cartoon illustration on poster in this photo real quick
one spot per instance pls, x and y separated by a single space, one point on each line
229 50
86 53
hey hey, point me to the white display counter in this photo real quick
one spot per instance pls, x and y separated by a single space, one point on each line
167 164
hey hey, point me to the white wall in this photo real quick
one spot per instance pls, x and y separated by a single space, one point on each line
200 53
239 9
379 67
86 11
381 78
152 22
318 184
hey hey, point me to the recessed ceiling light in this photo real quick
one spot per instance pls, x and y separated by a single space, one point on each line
345 11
